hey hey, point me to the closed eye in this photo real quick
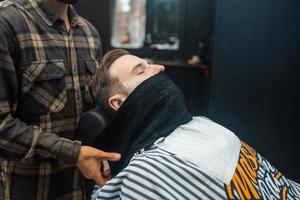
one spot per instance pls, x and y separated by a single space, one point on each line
141 72
139 68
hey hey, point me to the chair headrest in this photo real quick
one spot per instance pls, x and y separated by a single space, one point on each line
91 124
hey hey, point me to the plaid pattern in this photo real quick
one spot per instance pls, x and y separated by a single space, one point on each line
46 78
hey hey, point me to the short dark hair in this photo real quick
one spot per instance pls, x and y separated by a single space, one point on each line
106 84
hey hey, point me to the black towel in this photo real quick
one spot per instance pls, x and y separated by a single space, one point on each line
153 110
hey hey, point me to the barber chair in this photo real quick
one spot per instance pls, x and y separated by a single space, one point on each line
91 124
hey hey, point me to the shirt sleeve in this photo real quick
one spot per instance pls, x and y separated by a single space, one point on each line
19 141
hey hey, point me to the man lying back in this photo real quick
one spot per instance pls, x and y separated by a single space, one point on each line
167 153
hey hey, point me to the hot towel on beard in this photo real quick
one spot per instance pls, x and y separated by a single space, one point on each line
153 110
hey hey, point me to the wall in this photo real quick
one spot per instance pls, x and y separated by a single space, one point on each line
254 86
198 23
199 27
98 13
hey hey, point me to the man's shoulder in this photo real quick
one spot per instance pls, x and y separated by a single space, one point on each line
9 14
89 25
6 3
92 33
5 6
10 10
12 3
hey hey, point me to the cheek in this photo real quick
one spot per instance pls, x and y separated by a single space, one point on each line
130 85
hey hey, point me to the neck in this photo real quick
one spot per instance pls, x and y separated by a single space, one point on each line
61 9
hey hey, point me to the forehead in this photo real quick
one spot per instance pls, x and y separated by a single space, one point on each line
124 65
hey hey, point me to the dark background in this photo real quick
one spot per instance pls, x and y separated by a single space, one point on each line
253 54
254 88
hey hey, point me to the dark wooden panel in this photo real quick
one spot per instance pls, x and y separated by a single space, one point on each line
255 89
193 83
98 13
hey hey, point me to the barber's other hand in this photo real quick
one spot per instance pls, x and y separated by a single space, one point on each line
90 160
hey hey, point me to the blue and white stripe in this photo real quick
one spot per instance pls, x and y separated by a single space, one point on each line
158 174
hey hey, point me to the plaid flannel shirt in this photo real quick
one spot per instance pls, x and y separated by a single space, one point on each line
46 78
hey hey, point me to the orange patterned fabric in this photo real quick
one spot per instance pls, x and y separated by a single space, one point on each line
256 178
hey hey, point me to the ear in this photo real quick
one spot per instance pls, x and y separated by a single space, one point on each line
116 101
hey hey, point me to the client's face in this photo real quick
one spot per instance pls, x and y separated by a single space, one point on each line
132 71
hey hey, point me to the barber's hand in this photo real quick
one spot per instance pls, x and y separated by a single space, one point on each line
90 161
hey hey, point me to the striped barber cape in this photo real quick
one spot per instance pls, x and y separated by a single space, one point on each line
199 160
157 174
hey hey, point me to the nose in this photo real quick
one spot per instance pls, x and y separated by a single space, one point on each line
156 69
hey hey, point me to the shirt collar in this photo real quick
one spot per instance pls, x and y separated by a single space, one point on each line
73 16
51 17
